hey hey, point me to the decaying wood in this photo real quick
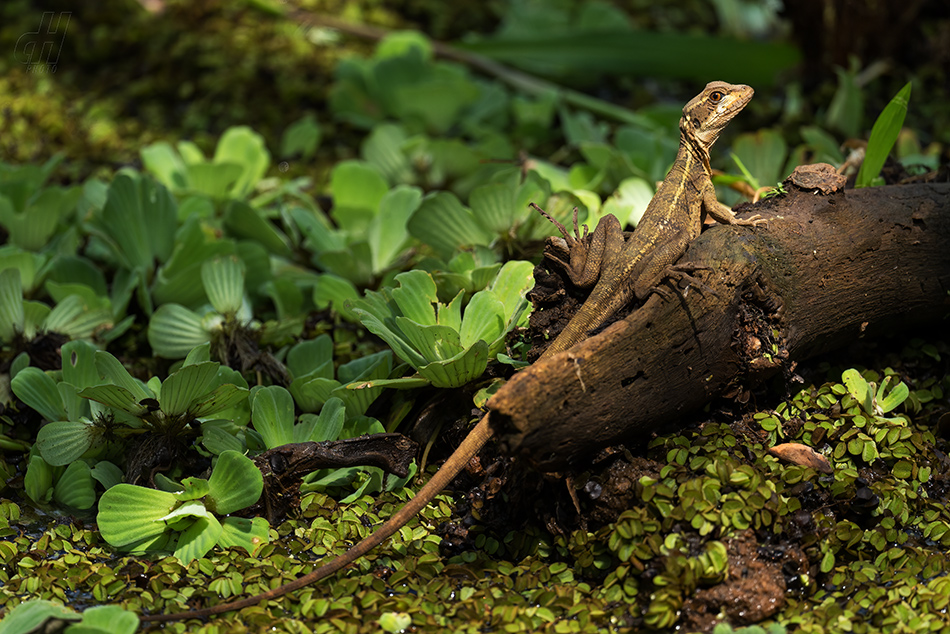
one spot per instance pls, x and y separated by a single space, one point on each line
284 467
830 268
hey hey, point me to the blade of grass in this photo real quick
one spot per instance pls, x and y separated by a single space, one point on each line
883 136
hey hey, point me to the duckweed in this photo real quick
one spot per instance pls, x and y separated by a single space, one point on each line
860 550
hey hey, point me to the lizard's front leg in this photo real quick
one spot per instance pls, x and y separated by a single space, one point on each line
582 256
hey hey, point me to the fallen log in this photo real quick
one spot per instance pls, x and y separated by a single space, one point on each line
830 268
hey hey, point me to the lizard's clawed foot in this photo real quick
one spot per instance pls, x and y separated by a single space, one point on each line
572 240
681 272
753 221
580 255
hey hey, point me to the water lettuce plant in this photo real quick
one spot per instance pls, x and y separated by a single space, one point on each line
174 330
197 390
185 521
403 80
315 382
368 234
31 211
240 161
498 214
97 411
445 346
31 616
77 314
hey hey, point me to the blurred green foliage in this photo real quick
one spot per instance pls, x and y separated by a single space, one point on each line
236 199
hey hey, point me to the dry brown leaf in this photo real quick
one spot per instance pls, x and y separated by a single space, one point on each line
803 455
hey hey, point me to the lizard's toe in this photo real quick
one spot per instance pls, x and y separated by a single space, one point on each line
752 221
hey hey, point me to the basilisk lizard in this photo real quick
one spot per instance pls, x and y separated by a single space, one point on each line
621 268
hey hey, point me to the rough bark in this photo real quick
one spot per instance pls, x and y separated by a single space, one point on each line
828 269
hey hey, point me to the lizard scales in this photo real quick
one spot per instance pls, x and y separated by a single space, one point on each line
622 270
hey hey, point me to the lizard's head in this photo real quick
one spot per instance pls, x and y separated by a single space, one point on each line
707 113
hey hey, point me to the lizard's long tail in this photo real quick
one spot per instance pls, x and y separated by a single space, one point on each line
456 462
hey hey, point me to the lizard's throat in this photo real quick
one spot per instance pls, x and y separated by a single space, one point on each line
697 148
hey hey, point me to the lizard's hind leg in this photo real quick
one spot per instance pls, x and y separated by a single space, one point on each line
581 256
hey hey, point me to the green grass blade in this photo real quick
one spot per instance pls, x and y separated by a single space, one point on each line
883 136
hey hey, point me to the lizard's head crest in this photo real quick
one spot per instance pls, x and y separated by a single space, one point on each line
707 113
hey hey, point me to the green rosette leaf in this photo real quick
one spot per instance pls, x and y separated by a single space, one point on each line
416 297
326 426
107 619
112 370
75 488
513 281
242 146
387 233
79 364
445 224
174 330
243 221
235 483
494 204
38 480
220 399
272 411
483 320
357 190
335 292
129 514
193 489
312 356
115 397
213 179
11 304
455 372
34 616
198 539
62 442
183 388
223 279
107 474
38 390
139 220
249 534
217 440
311 393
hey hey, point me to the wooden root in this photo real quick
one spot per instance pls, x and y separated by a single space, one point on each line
827 269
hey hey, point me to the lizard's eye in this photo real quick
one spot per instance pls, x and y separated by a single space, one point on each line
716 96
